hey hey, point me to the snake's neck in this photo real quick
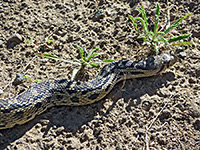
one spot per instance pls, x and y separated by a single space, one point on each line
82 93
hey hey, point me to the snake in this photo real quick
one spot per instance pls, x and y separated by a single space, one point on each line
24 107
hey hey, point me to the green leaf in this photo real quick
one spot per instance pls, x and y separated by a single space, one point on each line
90 53
29 41
162 39
159 33
156 18
38 80
174 25
49 56
143 37
26 77
174 39
144 17
143 23
150 35
180 19
91 56
80 50
108 60
134 23
103 61
156 48
170 28
181 43
95 65
56 58
49 41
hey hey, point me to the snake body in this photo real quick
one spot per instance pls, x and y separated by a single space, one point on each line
25 106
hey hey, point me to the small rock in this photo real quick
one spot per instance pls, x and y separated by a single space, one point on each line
140 131
60 130
44 122
1 44
45 60
182 54
124 58
196 124
98 15
19 79
13 40
16 38
118 147
165 114
162 140
146 105
61 33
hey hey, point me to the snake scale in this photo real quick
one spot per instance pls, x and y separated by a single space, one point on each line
25 106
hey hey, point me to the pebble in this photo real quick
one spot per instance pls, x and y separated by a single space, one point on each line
60 130
19 79
1 44
140 131
16 38
165 114
45 60
98 15
13 40
182 54
197 124
146 105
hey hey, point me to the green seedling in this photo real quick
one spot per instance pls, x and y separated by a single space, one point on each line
41 46
155 38
82 63
49 41
28 78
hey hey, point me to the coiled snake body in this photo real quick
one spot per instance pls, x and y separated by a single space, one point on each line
25 106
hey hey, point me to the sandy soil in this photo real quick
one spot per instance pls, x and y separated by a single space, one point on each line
161 112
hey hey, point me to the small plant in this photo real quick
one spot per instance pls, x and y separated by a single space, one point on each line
28 78
155 38
41 46
82 63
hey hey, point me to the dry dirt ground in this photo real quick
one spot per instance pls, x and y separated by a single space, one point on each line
160 112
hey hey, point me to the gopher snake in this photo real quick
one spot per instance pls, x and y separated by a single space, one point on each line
34 101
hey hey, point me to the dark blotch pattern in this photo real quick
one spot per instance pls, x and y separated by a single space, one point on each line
48 99
38 105
124 62
59 97
62 81
107 88
35 98
6 110
71 91
19 114
84 92
69 84
75 99
94 96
